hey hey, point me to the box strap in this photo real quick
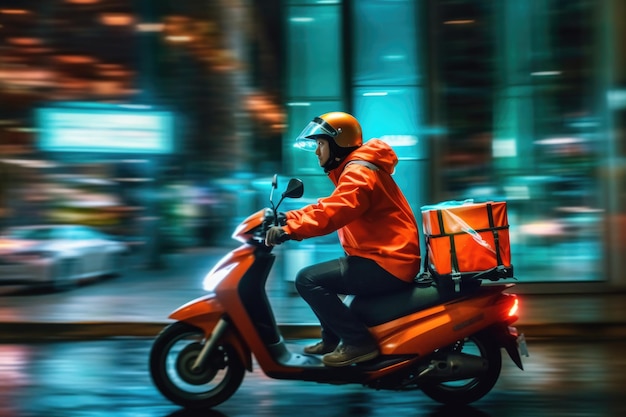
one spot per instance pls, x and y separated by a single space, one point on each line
496 235
454 262
463 232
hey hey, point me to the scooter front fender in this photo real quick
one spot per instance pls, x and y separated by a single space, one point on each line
204 312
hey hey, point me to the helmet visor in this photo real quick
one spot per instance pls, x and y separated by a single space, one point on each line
306 140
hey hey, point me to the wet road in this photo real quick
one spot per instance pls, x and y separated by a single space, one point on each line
110 378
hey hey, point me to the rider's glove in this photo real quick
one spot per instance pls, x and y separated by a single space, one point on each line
275 236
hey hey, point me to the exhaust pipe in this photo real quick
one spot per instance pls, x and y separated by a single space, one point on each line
454 367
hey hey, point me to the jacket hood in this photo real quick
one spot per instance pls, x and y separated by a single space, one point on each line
375 151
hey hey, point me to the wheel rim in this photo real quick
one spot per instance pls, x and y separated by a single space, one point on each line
185 362
180 355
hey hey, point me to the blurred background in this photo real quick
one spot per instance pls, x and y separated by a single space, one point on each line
161 122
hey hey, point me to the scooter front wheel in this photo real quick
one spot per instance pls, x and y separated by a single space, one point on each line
172 357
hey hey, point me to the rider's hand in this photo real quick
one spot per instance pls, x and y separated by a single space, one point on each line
275 236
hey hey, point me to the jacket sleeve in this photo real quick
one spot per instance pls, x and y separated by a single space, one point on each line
350 199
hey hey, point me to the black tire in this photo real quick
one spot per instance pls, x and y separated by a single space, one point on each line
175 350
469 390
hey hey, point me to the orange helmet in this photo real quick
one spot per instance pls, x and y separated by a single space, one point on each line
342 128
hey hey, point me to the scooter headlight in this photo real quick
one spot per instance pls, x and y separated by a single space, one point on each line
216 275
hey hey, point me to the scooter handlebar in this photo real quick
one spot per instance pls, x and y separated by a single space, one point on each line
269 222
269 219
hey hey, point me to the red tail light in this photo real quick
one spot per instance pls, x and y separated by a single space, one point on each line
514 308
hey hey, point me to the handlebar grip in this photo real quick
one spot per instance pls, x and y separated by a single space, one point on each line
283 238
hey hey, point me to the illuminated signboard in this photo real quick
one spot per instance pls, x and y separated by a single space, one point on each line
105 128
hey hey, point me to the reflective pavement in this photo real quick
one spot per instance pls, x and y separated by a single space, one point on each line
110 378
84 353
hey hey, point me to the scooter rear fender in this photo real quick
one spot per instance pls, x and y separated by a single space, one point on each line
507 337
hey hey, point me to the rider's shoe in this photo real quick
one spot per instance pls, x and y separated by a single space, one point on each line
346 355
320 348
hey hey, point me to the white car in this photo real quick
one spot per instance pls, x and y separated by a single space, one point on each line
58 256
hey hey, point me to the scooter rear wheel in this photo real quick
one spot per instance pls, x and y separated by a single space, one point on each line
174 352
469 390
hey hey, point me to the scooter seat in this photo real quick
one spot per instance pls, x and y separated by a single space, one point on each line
380 309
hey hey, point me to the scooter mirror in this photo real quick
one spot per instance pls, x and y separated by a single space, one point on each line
275 181
295 189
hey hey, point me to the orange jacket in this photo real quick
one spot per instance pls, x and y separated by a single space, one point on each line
368 211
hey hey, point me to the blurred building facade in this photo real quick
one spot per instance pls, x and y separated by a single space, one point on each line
93 65
516 100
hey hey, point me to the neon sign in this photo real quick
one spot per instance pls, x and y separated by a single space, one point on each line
87 127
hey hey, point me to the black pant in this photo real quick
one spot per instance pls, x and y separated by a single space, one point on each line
319 285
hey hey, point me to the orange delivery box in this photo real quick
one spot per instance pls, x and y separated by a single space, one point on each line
468 240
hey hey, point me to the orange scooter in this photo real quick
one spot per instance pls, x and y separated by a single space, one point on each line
447 346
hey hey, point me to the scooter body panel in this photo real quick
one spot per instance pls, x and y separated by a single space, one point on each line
205 311
424 331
